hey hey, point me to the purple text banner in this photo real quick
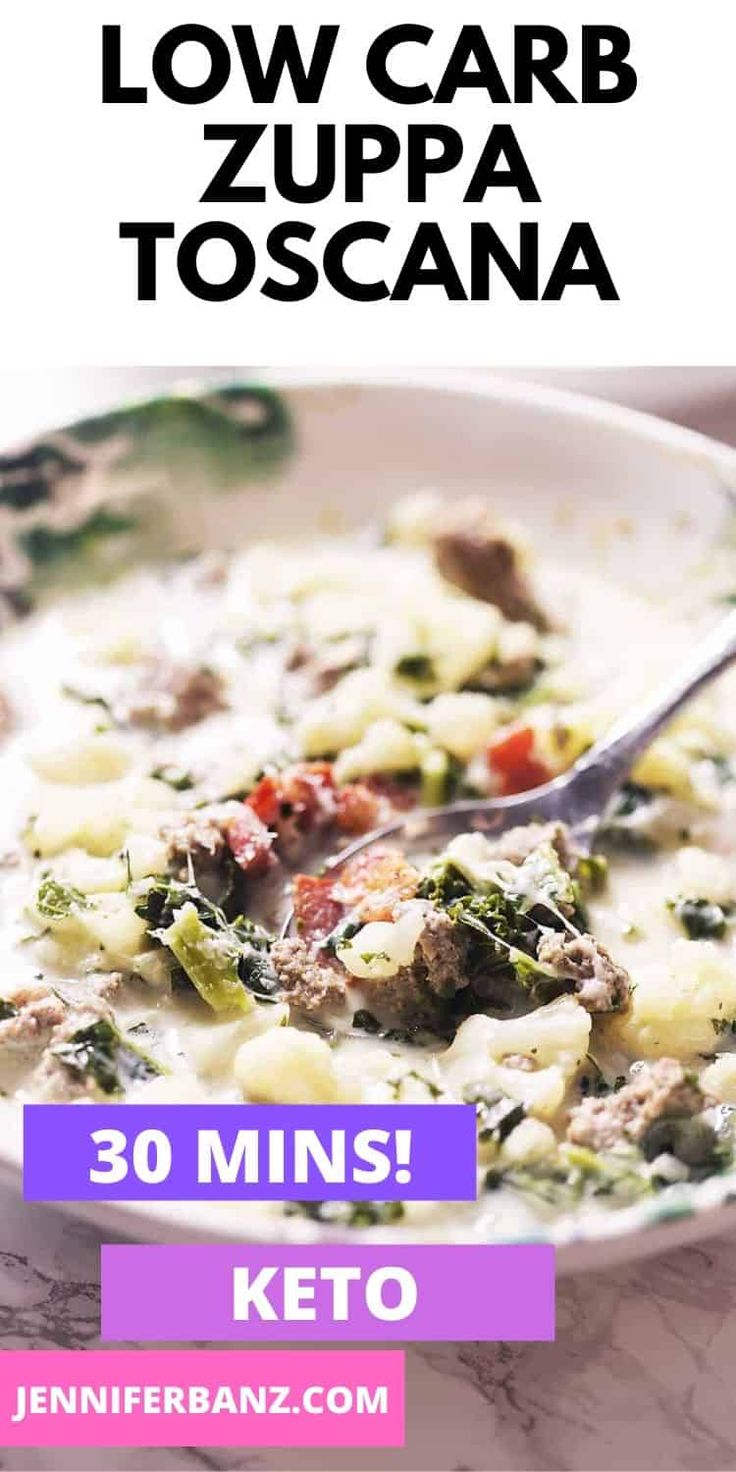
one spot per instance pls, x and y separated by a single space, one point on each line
249 1152
221 1292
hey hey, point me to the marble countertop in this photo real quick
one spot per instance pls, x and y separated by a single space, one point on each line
641 1375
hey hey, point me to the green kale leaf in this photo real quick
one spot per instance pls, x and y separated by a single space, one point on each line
703 919
497 1114
215 955
575 1175
100 1053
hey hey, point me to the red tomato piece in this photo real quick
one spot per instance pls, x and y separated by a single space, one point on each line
511 759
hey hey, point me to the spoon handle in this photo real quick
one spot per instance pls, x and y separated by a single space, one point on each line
629 737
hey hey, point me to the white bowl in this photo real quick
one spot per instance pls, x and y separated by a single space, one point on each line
640 497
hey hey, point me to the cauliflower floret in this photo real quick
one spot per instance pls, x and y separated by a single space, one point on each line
87 759
96 818
555 1035
560 739
92 818
343 716
469 1065
213 1048
386 747
367 1073
463 722
382 947
673 1008
458 637
90 875
517 641
668 765
541 1092
719 1079
169 1088
284 1066
101 923
529 1143
476 858
113 926
143 856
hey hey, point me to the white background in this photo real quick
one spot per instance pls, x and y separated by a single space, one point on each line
654 176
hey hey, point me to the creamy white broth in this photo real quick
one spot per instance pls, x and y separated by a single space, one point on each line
68 671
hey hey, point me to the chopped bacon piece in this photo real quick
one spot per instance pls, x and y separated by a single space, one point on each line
375 882
358 809
295 803
250 842
316 910
303 799
304 792
371 886
512 761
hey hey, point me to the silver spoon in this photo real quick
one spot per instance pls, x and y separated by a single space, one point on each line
581 795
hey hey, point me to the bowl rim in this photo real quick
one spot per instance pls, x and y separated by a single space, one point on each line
639 424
